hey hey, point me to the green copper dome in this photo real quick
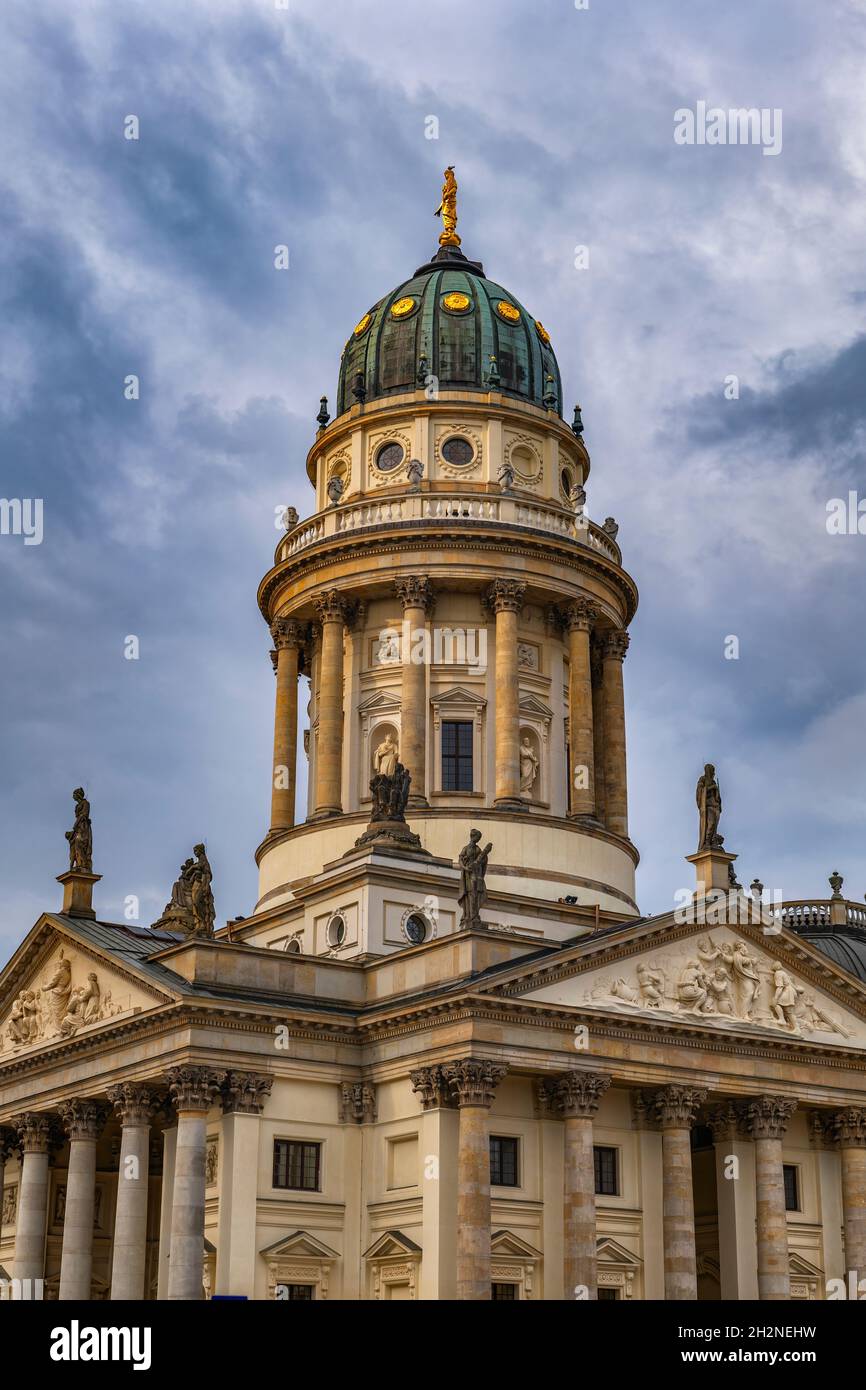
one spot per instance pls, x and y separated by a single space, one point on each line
449 322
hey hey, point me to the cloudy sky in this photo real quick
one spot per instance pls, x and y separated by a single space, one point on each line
261 125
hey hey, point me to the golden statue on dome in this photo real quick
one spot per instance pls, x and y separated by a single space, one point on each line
447 210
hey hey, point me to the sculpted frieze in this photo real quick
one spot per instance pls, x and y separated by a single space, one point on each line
67 996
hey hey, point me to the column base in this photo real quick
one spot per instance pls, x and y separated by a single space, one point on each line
592 822
509 803
326 812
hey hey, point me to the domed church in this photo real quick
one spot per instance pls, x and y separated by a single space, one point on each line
445 1056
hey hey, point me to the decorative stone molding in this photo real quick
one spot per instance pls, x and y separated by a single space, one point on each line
616 644
134 1102
459 703
505 595
513 1261
357 1103
580 616
443 468
82 1119
212 1161
194 1088
578 1094
245 1093
849 1127
332 607
8 1143
473 1081
524 452
393 1259
37 1131
415 591
299 1259
431 1084
767 1117
285 632
9 1205
722 1122
677 1106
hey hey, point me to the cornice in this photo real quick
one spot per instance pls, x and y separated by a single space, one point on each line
412 537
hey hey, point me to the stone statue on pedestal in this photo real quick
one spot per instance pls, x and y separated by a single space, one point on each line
390 793
473 888
191 907
709 801
80 837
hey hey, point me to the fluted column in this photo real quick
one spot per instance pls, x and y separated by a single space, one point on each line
332 610
416 596
850 1130
676 1108
83 1121
134 1105
505 598
244 1098
613 701
287 636
578 1096
596 665
579 618
766 1120
473 1083
193 1091
35 1132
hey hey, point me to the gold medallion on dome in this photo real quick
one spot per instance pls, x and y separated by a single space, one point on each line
507 311
403 307
542 333
456 302
363 325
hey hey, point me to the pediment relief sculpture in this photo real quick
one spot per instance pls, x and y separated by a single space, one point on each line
719 978
65 997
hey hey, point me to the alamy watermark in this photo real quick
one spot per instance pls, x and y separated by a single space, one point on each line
738 126
445 646
22 516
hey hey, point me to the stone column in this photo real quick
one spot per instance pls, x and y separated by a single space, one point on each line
440 1145
676 1107
169 1149
244 1100
578 1096
83 1121
473 1083
613 700
194 1091
35 1132
416 596
134 1105
579 618
287 637
850 1131
332 611
766 1119
596 665
505 598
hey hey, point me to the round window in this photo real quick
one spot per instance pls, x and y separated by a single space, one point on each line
457 450
415 929
389 457
336 931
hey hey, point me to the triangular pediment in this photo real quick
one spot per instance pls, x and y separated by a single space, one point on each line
383 701
530 704
60 985
802 1268
391 1243
612 1253
300 1244
507 1243
458 695
758 979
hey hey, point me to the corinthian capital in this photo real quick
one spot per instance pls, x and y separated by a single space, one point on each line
849 1127
579 1093
194 1088
767 1117
36 1131
473 1081
431 1085
285 632
245 1093
616 644
134 1103
581 615
332 607
506 595
677 1106
83 1119
415 592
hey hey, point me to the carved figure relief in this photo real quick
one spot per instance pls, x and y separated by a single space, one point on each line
385 757
724 980
528 767
10 1204
59 1006
211 1163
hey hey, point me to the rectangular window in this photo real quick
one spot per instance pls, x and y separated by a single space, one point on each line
296 1165
606 1175
503 1291
503 1161
608 1295
456 755
792 1187
297 1293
